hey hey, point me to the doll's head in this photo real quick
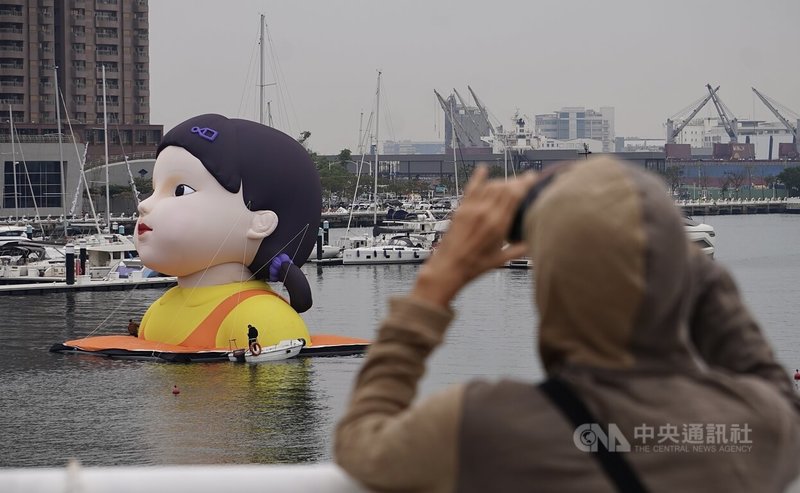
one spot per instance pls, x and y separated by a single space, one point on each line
266 169
273 170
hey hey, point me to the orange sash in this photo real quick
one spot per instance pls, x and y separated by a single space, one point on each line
205 334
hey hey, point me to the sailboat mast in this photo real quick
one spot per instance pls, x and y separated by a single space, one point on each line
13 163
261 72
361 134
453 141
105 139
61 153
505 159
377 127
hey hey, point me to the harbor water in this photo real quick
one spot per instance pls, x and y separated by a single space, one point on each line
54 407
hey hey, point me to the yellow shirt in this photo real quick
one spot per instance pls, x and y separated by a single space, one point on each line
216 317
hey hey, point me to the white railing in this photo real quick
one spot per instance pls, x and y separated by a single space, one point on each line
322 478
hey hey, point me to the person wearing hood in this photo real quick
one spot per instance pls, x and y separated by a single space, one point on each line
659 378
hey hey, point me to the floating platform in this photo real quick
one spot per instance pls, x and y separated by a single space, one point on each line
43 287
128 347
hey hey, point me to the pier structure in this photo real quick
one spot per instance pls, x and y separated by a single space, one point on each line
737 207
365 218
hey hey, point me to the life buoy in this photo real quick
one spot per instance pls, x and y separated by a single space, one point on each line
255 349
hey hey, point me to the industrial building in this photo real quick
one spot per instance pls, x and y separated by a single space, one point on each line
412 147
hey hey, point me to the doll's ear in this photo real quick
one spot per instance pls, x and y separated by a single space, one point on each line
262 225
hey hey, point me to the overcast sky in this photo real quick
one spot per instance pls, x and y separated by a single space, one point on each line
648 59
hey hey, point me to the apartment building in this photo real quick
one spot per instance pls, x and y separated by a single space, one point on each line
71 41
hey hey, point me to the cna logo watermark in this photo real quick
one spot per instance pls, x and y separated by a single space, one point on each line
690 437
589 436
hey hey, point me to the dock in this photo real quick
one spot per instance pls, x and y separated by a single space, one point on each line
739 206
87 285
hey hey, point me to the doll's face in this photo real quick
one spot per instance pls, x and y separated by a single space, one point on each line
191 222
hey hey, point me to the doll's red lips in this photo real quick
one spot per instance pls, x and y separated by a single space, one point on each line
143 228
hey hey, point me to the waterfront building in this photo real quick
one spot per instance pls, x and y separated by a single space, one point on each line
412 147
703 133
68 43
638 144
577 122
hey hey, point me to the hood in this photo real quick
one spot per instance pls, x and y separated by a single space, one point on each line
611 269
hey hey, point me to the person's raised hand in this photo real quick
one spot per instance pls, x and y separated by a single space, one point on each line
475 242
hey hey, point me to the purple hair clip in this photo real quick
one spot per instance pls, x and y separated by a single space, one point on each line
275 266
206 132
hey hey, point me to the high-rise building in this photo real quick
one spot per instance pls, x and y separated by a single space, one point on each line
77 39
577 122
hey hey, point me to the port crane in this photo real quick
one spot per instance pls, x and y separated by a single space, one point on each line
673 132
770 104
482 109
722 110
464 104
448 107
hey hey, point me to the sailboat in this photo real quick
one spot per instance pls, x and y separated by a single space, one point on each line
401 249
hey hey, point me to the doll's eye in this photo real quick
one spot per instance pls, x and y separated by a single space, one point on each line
183 189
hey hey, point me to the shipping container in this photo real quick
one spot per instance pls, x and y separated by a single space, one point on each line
788 150
722 151
678 151
741 152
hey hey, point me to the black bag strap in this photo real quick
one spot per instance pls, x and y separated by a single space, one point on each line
613 463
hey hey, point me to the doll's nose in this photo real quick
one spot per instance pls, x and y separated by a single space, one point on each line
145 206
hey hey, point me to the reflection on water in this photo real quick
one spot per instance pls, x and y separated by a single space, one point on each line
107 412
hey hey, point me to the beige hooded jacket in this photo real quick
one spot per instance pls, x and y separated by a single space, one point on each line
651 334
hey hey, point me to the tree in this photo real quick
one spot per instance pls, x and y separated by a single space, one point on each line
735 179
748 168
702 178
769 182
497 172
143 185
790 177
344 156
673 175
334 177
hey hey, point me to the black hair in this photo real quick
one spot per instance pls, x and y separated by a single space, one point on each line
275 173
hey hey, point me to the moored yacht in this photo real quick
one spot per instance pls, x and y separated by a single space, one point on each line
397 250
700 234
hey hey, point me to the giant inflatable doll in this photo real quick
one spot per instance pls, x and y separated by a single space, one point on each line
234 204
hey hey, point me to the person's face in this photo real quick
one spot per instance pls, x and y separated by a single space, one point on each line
191 222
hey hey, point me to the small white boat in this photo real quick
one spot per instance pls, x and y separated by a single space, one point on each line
519 263
286 349
328 252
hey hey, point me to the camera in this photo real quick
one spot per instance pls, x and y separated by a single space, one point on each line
515 232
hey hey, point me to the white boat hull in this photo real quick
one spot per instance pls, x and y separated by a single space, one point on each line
701 235
381 255
279 352
519 263
328 251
